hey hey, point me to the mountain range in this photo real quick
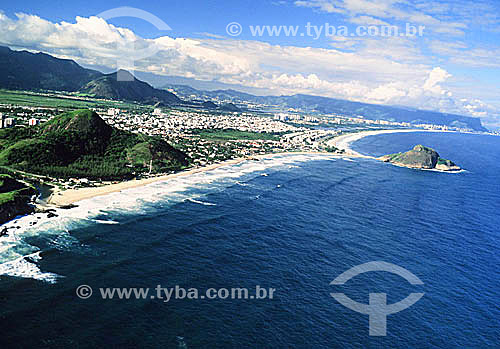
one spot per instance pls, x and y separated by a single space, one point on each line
328 105
38 71
23 70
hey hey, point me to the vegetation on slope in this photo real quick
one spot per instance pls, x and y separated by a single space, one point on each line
14 198
123 85
81 144
39 71
10 189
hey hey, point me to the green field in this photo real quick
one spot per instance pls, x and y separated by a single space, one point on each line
26 98
225 135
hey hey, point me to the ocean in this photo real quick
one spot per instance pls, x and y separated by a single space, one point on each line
291 223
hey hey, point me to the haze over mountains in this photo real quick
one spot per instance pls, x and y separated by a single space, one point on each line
338 106
28 71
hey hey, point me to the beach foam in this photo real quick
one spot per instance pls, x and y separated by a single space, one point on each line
201 202
26 267
18 258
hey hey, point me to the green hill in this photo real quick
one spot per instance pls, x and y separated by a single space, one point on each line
81 144
230 107
123 85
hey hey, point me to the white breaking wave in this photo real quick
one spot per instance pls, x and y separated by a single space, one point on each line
202 202
26 267
100 221
18 258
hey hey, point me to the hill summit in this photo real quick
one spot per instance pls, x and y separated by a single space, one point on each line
123 85
81 144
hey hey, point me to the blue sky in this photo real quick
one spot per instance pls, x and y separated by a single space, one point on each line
453 67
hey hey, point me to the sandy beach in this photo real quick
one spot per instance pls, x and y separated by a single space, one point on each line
71 196
344 141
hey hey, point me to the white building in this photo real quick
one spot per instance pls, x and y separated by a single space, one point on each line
33 122
9 122
157 112
113 111
281 116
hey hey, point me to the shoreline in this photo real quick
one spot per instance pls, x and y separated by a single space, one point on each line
64 198
343 142
61 198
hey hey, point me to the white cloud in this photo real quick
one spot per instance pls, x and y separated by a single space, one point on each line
386 93
362 12
388 70
459 53
447 48
436 76
378 8
325 6
367 20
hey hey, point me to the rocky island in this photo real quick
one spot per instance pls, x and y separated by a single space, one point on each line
421 157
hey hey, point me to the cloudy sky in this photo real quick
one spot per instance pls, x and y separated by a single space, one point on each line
453 67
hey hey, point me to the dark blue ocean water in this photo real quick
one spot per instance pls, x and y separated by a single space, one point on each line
293 226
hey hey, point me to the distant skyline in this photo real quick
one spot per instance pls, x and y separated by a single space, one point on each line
453 67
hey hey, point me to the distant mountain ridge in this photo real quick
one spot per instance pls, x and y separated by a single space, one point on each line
329 105
39 71
127 88
23 70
